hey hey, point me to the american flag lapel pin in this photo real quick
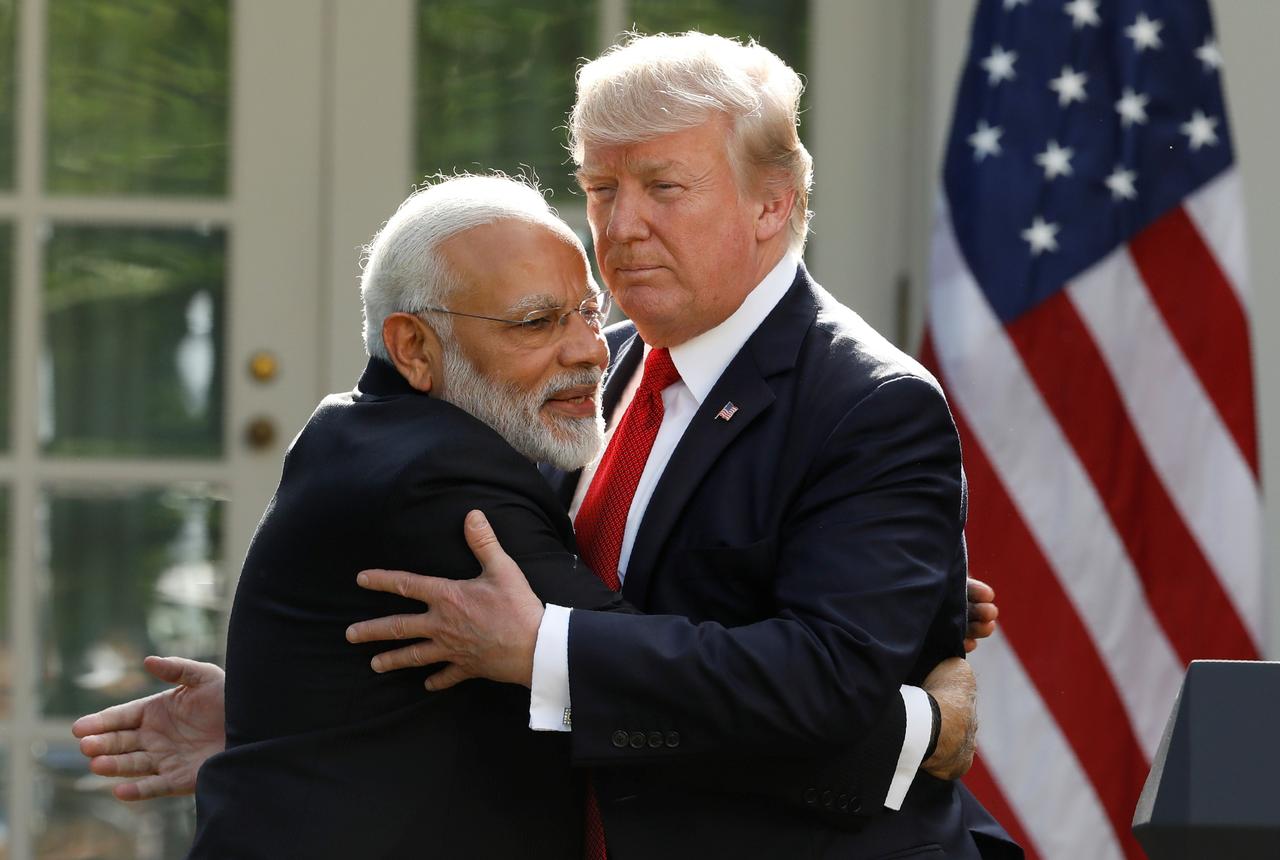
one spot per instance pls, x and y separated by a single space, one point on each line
726 412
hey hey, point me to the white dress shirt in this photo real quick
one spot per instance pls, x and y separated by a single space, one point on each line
700 361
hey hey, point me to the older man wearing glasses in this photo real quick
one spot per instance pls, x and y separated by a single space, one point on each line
477 295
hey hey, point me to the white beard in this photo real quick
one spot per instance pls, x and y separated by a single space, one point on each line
517 416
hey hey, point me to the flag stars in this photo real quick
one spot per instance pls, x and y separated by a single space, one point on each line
999 65
1055 160
1041 236
1084 13
1069 86
1200 130
1210 54
1120 182
1132 108
985 141
1145 33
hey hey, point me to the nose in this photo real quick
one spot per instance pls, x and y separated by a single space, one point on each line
626 217
582 345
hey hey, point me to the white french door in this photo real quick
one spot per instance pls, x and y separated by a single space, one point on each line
160 224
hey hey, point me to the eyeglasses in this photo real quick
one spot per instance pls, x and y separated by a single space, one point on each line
541 325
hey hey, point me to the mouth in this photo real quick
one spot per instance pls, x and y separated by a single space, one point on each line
576 402
636 269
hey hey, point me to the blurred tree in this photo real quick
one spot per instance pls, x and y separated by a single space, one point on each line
782 26
6 329
8 82
495 84
138 97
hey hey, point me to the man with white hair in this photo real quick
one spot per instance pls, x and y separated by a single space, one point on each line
782 489
478 296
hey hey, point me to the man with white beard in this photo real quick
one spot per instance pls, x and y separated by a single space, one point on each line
478 305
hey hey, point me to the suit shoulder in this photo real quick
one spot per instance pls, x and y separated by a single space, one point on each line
413 433
845 350
618 334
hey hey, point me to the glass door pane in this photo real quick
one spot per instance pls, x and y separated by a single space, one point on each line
138 97
125 573
133 342
495 82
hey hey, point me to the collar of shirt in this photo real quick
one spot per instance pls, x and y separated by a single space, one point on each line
703 358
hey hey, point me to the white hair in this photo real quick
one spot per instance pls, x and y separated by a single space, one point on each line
403 269
649 86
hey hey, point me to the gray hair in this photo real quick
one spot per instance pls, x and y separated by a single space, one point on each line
403 270
649 86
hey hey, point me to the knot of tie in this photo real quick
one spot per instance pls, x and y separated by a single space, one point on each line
659 371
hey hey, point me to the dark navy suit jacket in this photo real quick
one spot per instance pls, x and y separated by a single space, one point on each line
325 758
800 561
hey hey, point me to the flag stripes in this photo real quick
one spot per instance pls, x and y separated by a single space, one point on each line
1030 761
1218 212
1214 491
980 782
1125 665
1068 372
1205 318
1070 678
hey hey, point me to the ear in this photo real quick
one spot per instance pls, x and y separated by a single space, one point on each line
773 213
415 350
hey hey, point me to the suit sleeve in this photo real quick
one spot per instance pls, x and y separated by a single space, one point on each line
865 563
423 523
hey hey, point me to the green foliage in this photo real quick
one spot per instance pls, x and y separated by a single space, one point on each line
120 328
6 330
138 97
8 86
782 26
495 82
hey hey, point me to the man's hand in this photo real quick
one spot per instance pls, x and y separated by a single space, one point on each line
485 627
982 613
952 684
163 738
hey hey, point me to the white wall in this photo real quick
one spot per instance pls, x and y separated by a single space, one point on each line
1246 32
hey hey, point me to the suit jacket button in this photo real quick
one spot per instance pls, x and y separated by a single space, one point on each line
672 740
855 805
843 802
619 739
637 740
827 797
810 796
655 740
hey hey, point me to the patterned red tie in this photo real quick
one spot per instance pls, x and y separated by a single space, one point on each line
602 518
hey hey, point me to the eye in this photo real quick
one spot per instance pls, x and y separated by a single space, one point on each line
539 320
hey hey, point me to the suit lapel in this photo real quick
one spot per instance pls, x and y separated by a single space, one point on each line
747 383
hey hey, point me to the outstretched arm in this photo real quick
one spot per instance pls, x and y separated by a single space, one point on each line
162 739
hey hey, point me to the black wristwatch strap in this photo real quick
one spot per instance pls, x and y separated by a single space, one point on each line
937 726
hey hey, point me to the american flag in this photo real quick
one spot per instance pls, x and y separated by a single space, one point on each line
1089 321
727 411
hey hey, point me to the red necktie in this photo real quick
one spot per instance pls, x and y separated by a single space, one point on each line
602 518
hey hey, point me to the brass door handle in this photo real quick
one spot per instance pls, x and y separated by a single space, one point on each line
260 433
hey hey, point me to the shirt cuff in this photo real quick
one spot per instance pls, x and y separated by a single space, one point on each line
914 744
549 706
